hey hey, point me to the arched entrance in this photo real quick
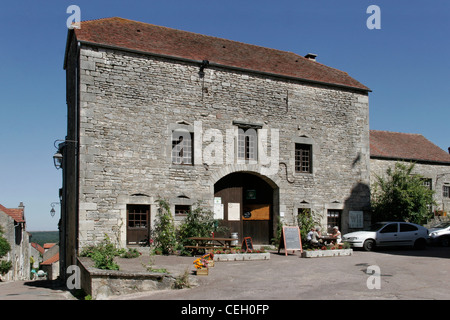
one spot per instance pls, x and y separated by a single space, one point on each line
248 205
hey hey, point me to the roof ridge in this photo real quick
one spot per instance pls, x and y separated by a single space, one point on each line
120 32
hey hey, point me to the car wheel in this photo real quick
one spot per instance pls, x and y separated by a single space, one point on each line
369 245
445 241
420 244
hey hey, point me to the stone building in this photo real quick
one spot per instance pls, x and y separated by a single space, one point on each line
257 134
12 222
431 162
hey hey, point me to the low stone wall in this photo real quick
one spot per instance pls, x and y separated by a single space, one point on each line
242 256
101 284
327 253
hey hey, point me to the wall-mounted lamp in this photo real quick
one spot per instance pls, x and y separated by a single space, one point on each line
52 211
58 156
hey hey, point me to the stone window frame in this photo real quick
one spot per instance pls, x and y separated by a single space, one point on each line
171 129
303 140
180 200
244 125
446 191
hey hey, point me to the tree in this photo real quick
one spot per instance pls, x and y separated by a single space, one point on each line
5 266
401 195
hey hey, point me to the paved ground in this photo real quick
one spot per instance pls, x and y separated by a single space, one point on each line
405 274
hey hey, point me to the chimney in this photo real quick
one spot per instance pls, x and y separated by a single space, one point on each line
448 149
311 56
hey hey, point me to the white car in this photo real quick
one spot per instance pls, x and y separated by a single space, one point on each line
388 234
440 234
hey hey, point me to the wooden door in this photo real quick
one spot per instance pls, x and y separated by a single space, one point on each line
138 226
254 197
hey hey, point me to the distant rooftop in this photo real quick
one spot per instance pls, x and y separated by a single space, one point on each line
405 146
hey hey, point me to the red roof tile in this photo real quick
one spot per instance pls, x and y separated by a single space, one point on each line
51 260
48 245
148 38
17 214
405 146
37 247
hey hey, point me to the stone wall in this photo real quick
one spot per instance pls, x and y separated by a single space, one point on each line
439 175
130 103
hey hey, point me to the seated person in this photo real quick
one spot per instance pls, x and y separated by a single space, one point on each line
315 237
309 235
336 234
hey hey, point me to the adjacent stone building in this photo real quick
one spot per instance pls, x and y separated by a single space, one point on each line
430 161
256 134
12 222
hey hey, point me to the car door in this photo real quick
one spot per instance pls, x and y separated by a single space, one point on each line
388 235
408 234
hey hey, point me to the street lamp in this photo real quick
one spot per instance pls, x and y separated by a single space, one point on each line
58 157
52 211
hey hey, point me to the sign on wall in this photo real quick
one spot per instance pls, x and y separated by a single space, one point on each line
234 211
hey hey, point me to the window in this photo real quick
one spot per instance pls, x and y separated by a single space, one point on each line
426 183
404 227
247 144
182 147
137 216
390 228
303 158
333 219
446 191
182 209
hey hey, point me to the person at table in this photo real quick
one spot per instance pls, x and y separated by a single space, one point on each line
315 237
309 235
336 234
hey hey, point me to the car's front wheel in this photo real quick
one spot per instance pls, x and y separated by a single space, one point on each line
369 245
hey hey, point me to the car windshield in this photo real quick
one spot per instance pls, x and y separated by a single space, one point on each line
443 225
376 226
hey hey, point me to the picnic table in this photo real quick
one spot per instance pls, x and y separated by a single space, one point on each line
211 243
328 239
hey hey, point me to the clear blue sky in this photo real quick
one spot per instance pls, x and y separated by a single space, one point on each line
406 63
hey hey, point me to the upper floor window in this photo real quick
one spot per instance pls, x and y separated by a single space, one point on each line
303 158
182 147
247 144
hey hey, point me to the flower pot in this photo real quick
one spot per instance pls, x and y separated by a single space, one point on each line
202 272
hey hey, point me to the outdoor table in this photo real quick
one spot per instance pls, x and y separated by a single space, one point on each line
328 239
211 243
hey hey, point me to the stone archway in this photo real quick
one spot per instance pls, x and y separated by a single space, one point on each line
250 203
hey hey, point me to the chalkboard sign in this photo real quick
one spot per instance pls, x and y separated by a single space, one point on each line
290 240
247 244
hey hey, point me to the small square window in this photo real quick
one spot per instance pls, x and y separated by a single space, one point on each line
182 210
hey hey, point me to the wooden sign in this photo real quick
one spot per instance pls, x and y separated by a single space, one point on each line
290 240
247 244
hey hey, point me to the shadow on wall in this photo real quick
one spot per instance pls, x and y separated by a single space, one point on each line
359 200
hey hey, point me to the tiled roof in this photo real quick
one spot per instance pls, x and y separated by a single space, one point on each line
37 247
148 38
405 146
48 245
16 214
51 260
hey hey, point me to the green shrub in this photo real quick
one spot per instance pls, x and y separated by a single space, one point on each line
164 230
